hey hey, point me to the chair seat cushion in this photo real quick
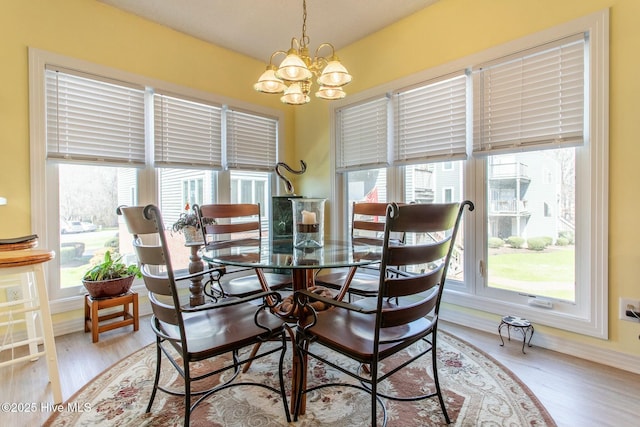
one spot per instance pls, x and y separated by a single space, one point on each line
352 333
223 329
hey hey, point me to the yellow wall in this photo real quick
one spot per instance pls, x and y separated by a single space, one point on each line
453 29
448 30
95 32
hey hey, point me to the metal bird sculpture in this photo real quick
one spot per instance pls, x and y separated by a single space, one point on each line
287 181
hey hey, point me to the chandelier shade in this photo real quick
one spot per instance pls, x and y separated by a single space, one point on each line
334 74
294 95
269 83
294 76
328 92
293 68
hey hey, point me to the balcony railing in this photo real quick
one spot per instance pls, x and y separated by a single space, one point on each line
508 170
508 207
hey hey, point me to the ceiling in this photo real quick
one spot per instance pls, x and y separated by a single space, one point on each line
257 28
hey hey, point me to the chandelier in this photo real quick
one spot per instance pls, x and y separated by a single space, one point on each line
293 76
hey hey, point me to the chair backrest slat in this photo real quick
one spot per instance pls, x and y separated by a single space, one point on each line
232 228
414 284
150 255
409 313
418 254
232 221
165 313
156 284
368 225
414 218
367 220
423 260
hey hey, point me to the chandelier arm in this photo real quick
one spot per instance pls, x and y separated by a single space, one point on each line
296 44
274 54
333 51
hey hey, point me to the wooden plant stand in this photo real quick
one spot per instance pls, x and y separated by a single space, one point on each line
92 319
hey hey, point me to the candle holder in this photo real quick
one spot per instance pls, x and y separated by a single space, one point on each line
308 223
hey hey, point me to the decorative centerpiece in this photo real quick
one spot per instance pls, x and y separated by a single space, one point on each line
187 224
110 278
308 220
281 224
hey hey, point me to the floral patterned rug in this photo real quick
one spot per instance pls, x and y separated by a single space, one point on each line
478 391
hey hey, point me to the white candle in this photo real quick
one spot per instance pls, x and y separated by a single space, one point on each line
308 217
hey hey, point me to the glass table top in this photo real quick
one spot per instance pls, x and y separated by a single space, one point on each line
281 254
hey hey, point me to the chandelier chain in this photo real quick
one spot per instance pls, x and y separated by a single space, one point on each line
305 39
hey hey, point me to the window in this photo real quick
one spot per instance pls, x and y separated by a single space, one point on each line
251 187
447 195
192 191
532 157
114 138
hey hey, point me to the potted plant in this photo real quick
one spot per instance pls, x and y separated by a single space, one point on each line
187 224
110 278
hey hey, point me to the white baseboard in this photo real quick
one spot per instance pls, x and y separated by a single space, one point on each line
596 354
592 353
69 326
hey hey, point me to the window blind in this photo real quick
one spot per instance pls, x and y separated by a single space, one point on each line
531 101
251 142
92 120
430 122
362 134
187 133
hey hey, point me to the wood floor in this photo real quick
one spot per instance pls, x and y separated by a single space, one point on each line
574 391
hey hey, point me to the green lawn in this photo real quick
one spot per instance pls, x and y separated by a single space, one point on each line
71 273
549 273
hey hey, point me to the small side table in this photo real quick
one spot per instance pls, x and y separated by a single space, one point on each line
92 319
520 324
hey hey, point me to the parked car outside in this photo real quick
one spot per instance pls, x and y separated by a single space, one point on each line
88 226
71 227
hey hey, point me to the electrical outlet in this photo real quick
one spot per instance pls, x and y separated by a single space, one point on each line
14 293
628 304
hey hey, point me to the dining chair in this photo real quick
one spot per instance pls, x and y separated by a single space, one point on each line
186 335
404 313
230 224
367 227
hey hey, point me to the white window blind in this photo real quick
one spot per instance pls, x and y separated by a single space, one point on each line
93 120
532 100
430 121
252 141
187 133
362 134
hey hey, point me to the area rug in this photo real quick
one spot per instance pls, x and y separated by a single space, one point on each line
478 391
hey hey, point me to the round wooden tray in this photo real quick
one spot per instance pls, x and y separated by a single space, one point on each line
19 258
19 246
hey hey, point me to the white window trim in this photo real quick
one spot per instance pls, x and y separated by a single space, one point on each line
593 321
44 195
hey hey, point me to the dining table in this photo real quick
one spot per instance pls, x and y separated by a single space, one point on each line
303 263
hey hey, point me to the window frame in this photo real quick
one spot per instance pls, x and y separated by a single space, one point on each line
589 316
44 174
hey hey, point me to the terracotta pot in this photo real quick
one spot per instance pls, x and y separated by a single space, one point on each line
108 288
